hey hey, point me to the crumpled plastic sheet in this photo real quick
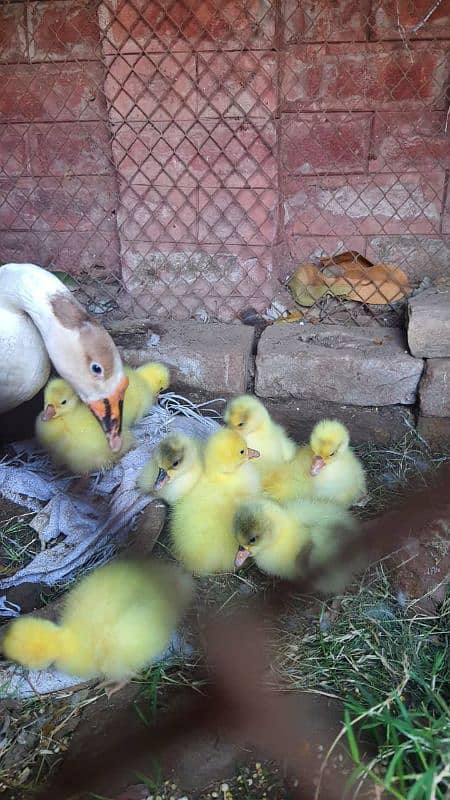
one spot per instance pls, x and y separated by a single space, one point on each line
76 532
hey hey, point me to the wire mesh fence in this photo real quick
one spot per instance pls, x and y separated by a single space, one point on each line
193 159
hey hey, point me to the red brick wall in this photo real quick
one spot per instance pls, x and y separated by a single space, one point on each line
58 191
207 147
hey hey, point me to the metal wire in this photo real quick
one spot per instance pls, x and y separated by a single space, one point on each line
181 158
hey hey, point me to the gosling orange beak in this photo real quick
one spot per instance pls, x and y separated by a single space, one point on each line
48 413
109 414
317 464
241 556
253 453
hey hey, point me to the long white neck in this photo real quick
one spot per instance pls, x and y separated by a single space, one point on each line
28 288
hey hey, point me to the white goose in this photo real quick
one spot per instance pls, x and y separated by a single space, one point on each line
40 321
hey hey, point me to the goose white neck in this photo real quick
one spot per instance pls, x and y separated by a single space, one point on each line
29 288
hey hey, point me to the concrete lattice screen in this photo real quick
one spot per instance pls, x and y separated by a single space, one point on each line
182 157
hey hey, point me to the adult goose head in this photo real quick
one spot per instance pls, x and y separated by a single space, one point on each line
40 321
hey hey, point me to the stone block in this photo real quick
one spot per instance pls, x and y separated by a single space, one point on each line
436 431
54 204
387 16
380 424
429 323
417 255
237 216
70 148
61 30
13 38
237 84
52 92
324 142
355 366
215 358
434 388
151 87
322 21
359 204
136 25
364 77
409 141
158 213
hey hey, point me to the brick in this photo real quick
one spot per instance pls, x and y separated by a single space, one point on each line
434 388
436 431
237 216
322 21
61 30
236 84
365 77
73 252
139 26
355 366
429 323
324 143
409 142
13 39
446 215
388 14
214 358
380 424
364 205
40 92
151 87
419 256
158 213
14 150
43 204
70 148
235 153
216 280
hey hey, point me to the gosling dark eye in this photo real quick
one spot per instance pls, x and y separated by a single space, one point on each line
333 454
96 369
240 424
252 540
242 452
175 463
63 402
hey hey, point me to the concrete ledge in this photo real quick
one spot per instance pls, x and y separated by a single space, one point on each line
355 366
429 323
213 357
434 388
435 431
380 424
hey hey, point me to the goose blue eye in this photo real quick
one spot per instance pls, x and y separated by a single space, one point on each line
96 369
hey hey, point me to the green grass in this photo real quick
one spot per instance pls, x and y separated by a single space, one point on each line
390 667
19 543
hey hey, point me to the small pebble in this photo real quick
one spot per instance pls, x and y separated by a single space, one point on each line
224 787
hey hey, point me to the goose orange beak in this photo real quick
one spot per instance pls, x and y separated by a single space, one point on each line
253 453
108 411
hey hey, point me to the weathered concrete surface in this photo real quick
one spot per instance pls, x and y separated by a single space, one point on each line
434 388
355 366
212 357
436 431
429 323
380 424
